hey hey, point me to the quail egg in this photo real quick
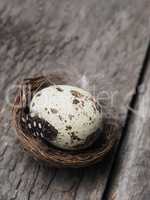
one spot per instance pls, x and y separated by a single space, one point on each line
66 116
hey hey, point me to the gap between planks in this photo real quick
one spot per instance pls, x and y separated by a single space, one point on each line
132 104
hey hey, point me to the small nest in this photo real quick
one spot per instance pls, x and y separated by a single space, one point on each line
46 152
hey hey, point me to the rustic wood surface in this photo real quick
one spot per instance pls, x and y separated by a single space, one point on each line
84 37
130 177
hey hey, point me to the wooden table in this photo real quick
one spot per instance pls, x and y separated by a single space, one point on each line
91 38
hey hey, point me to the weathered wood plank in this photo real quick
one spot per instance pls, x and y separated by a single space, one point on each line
89 36
131 174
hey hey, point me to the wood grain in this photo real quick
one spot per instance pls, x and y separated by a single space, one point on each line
89 37
130 179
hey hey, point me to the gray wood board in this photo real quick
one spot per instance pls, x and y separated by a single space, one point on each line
84 37
131 175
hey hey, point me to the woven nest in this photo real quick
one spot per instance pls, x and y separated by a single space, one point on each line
46 152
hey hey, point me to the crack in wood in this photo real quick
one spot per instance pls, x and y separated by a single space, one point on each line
48 185
78 185
34 181
127 123
3 151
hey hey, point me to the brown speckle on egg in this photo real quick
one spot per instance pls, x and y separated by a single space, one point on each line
82 103
68 128
53 110
76 93
76 101
38 95
60 117
33 104
70 116
74 137
59 89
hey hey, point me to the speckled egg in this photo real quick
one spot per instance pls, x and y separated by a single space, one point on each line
67 117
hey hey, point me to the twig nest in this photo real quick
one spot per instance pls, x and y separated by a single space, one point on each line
62 124
74 118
